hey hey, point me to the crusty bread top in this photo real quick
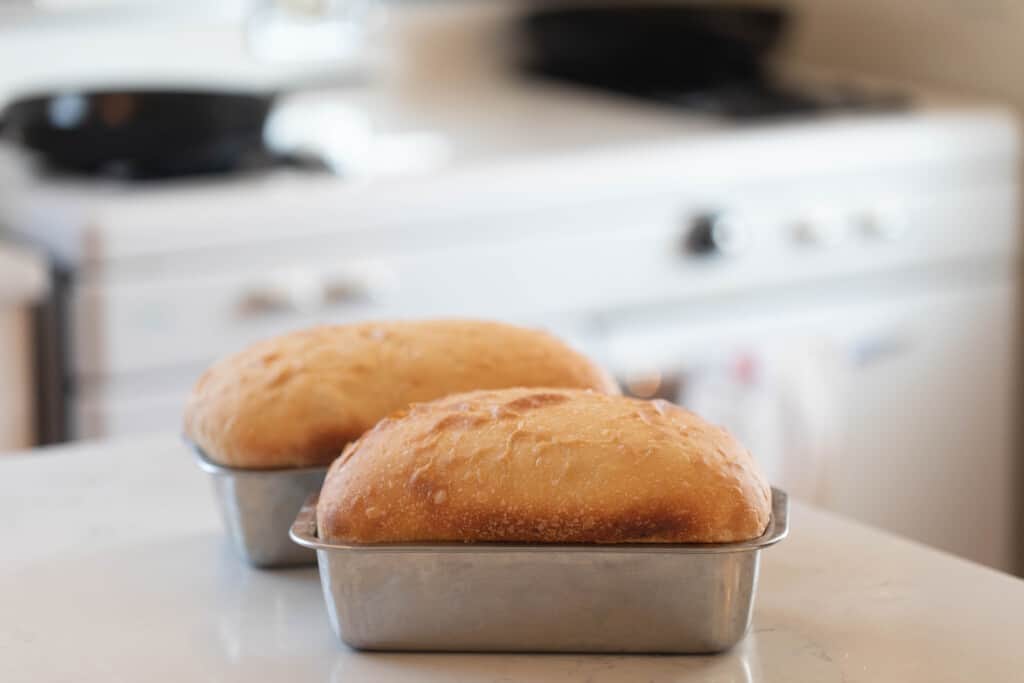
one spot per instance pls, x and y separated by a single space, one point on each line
544 466
298 399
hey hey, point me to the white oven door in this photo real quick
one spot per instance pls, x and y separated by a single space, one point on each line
893 407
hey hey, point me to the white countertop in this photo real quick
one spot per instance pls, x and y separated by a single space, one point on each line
115 569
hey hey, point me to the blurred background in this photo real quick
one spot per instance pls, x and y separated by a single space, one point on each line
799 218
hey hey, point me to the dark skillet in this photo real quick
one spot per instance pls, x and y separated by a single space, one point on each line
141 133
644 47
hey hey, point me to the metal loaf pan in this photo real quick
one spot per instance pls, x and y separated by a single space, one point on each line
693 598
259 506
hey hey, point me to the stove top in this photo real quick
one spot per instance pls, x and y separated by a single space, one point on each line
758 99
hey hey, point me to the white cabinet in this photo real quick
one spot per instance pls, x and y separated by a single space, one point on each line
22 285
891 404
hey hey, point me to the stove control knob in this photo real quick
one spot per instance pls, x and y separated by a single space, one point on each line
884 222
716 233
822 229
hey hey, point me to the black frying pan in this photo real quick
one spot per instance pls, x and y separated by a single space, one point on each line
643 47
141 133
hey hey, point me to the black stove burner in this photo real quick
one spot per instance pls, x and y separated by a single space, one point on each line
701 58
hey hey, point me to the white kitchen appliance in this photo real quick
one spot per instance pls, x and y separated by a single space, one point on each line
837 289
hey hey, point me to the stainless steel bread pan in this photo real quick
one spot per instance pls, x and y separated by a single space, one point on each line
541 598
259 506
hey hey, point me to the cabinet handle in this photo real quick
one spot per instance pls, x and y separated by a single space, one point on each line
347 292
304 293
265 301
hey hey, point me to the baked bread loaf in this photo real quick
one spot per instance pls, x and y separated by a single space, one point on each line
298 399
544 466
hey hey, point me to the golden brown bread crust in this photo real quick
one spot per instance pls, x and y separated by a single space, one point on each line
298 399
544 466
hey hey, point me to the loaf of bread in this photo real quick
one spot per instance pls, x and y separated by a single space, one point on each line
544 466
298 399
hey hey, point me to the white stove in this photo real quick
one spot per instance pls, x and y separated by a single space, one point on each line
839 290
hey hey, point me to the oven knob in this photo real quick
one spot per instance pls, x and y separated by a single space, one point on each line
716 233
884 222
821 229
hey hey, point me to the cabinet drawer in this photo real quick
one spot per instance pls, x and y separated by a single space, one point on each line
124 328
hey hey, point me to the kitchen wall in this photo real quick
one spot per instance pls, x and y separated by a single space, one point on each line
973 46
